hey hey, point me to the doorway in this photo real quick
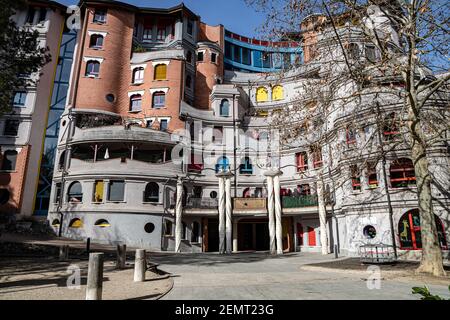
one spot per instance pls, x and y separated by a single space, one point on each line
253 235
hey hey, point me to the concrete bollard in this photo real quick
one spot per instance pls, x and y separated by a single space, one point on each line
64 253
94 285
121 256
140 266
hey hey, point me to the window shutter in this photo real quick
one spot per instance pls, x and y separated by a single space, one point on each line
160 72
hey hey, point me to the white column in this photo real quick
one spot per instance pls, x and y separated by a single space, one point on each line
278 224
178 222
322 217
228 221
235 236
221 215
270 210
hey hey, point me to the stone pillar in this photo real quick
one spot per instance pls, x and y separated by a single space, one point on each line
235 236
271 213
278 224
322 217
228 215
221 215
140 265
178 217
94 285
121 256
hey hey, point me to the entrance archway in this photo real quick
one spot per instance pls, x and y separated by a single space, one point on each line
409 231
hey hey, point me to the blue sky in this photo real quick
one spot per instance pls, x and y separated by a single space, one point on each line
235 15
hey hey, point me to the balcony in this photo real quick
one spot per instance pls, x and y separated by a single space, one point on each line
299 202
201 203
250 203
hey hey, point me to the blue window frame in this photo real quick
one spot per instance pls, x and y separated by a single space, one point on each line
19 98
246 167
223 164
225 108
93 68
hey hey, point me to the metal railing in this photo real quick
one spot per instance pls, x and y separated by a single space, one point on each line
201 203
300 201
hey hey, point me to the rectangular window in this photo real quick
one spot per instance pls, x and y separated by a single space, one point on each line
372 175
237 54
370 53
159 100
246 56
42 15
100 16
116 190
317 157
350 136
266 60
213 57
163 125
356 178
11 128
200 56
19 98
286 60
303 189
57 192
98 191
161 34
228 50
302 161
147 35
190 27
30 15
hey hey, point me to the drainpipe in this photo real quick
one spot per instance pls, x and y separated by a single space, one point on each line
234 147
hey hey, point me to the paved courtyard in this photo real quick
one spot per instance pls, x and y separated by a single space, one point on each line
260 276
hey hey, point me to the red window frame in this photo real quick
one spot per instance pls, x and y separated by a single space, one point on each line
404 169
317 158
372 176
302 161
356 178
350 136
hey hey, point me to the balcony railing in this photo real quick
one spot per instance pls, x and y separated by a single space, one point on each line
201 203
249 203
299 202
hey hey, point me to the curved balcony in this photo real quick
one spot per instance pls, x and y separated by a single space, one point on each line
299 202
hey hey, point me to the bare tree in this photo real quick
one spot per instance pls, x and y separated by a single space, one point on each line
396 82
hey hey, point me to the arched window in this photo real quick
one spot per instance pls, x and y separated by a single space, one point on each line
92 69
223 164
138 75
262 94
96 41
55 223
9 160
159 99
246 193
62 159
102 223
225 108
390 127
195 235
409 230
160 72
353 51
277 93
75 192
151 193
76 223
246 167
136 102
402 173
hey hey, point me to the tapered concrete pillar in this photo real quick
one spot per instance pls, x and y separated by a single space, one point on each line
221 214
228 216
278 224
140 265
235 236
322 217
94 285
178 216
271 213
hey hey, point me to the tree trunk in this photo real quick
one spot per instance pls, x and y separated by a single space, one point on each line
431 251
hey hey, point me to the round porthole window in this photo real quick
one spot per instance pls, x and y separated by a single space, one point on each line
110 98
213 194
149 227
64 123
369 232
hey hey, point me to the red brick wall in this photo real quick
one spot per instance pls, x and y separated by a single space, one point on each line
14 182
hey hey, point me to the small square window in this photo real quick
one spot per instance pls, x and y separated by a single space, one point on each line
190 27
163 125
11 128
100 16
19 98
116 190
